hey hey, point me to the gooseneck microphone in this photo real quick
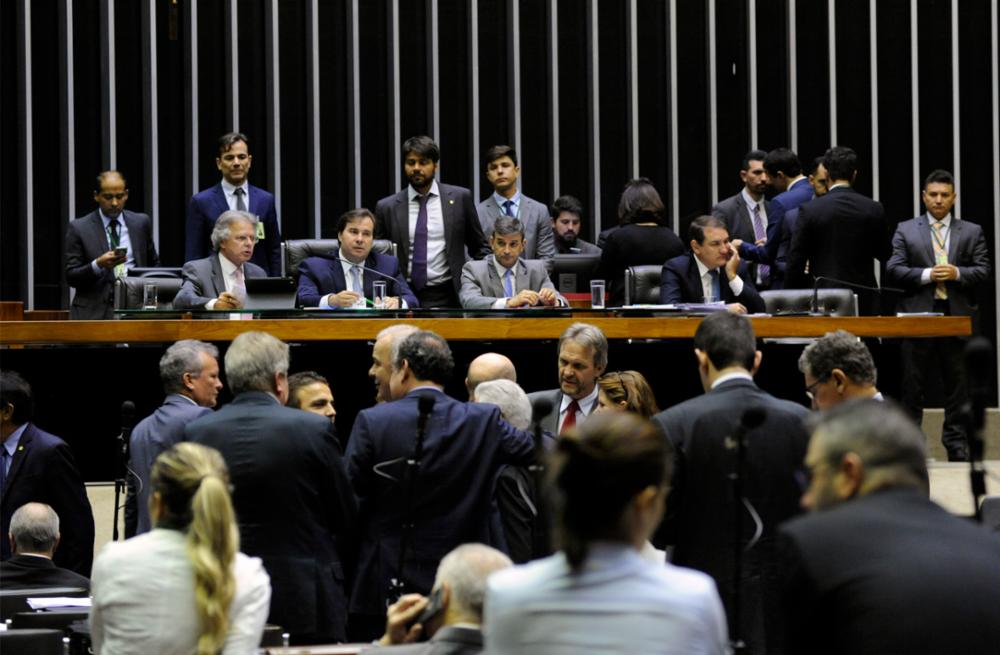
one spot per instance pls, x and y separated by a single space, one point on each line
121 465
367 269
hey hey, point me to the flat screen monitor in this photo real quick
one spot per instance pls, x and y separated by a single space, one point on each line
573 273
270 293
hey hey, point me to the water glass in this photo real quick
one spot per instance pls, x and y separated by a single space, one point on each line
597 294
378 294
149 296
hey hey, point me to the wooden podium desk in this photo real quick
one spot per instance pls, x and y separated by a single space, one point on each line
457 328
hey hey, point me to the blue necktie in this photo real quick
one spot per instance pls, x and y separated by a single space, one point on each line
356 280
508 208
508 283
716 290
4 460
418 272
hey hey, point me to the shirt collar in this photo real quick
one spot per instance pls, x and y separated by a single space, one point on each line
229 189
586 403
702 269
748 199
228 268
187 398
946 220
107 221
14 439
500 200
413 192
735 375
839 185
501 271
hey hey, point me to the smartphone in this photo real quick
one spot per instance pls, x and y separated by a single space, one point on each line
121 252
434 607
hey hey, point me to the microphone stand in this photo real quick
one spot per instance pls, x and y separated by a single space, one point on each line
539 522
977 353
397 586
752 418
121 463
814 308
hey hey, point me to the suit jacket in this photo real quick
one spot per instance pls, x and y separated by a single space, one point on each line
791 199
86 240
913 251
681 283
150 437
733 210
839 234
206 206
319 276
448 640
890 572
550 422
701 509
482 285
462 230
43 470
582 248
29 571
295 507
203 281
450 500
539 243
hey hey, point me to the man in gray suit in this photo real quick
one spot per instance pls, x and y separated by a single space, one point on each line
745 213
102 245
218 281
504 280
583 356
502 171
189 371
939 262
434 225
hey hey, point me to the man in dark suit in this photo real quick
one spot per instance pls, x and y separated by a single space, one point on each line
189 371
345 280
840 235
747 214
295 507
878 567
459 589
433 225
712 270
566 213
234 192
583 356
790 221
446 501
505 280
940 262
784 175
218 281
102 245
34 538
502 171
702 510
36 466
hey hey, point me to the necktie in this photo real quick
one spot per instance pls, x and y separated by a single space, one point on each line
113 237
716 287
239 286
508 283
418 272
240 205
4 460
570 420
760 232
356 280
940 257
508 208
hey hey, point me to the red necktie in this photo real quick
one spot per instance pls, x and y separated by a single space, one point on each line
570 420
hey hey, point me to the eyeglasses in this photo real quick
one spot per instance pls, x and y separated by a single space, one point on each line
811 388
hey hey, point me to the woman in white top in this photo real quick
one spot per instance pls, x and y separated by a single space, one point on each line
598 594
182 588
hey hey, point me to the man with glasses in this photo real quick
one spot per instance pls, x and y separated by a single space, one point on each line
838 368
701 510
102 245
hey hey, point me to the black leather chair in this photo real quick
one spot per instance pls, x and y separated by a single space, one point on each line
294 251
31 642
13 601
56 619
156 271
642 284
836 302
128 291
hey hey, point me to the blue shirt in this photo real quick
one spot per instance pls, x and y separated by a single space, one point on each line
11 446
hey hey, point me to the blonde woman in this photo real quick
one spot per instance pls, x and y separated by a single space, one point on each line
182 588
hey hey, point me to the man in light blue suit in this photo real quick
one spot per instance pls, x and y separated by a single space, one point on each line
502 171
190 374
234 192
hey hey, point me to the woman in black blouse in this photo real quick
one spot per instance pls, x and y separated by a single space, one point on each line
642 238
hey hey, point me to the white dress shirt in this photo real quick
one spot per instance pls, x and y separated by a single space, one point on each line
587 404
228 276
437 257
230 192
925 276
736 284
123 241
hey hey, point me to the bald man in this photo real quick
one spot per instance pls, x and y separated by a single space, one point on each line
486 367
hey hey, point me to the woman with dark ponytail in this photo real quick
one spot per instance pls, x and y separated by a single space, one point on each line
608 481
183 587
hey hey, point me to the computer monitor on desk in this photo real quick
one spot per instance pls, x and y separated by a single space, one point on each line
573 273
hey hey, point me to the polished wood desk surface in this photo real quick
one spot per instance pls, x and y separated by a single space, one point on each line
454 328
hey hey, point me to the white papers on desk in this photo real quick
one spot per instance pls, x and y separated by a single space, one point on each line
49 602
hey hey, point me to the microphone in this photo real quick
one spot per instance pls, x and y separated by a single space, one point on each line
367 270
815 299
425 404
127 422
121 466
540 409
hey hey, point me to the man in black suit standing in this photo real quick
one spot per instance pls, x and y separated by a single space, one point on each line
102 245
712 270
701 510
433 225
34 537
878 567
583 356
296 509
840 235
940 262
446 501
36 466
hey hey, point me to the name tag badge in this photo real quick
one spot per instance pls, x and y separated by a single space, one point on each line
260 231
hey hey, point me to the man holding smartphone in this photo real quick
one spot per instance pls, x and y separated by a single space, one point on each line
102 245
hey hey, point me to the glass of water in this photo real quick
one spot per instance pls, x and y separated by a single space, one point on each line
149 296
597 294
378 294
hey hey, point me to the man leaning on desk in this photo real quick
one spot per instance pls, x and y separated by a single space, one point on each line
505 281
344 279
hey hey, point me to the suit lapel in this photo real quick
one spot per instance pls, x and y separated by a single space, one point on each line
96 229
217 279
137 237
219 199
22 452
495 287
955 241
447 210
925 238
401 218
694 280
521 277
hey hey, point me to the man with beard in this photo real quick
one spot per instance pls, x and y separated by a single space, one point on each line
746 213
567 216
583 356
